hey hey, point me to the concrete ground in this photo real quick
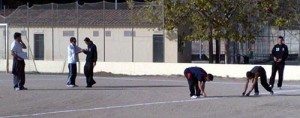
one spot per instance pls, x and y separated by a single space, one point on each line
142 97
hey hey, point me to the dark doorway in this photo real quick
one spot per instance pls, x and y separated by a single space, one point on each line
39 46
158 48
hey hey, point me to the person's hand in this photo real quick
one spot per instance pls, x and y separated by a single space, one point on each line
20 59
275 59
94 64
279 60
243 94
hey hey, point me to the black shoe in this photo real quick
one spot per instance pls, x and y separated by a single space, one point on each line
91 85
94 82
256 94
23 88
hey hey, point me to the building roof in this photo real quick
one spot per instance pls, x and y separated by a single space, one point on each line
64 17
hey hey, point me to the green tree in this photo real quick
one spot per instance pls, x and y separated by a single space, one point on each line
229 20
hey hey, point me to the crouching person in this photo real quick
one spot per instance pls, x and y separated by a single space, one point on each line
255 73
196 78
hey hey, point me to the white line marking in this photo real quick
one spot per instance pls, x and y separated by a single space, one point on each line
109 107
127 106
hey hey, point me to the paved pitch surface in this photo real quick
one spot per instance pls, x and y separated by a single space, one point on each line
142 97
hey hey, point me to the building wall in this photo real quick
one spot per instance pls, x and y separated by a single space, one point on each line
117 47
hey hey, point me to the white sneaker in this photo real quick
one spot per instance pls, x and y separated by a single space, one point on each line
17 89
279 88
194 97
70 86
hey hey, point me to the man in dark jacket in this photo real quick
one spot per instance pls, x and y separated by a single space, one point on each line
253 75
280 53
196 78
91 59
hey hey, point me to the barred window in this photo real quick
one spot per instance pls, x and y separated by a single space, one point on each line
68 33
96 33
108 33
129 33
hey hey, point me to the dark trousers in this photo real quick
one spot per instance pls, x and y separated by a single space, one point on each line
193 84
88 72
264 83
280 68
72 74
19 73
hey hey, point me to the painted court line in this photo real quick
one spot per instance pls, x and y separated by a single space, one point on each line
131 105
109 107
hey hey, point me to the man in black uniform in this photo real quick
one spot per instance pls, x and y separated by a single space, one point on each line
91 59
197 77
253 75
279 52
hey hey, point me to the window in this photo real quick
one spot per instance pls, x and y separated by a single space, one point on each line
108 33
68 33
96 33
129 33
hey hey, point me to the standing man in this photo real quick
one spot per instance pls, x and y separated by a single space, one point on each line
73 51
196 78
280 53
18 69
253 75
91 59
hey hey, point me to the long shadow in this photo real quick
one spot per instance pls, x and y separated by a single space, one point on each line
226 96
251 96
112 87
72 89
141 86
286 94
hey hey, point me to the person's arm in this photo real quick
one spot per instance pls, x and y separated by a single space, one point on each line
253 84
84 51
95 55
286 53
23 45
78 50
201 85
246 87
14 54
273 53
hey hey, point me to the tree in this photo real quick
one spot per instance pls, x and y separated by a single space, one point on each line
229 20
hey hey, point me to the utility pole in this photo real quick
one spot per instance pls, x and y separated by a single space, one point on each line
116 4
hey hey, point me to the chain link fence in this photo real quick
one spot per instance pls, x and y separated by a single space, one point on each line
119 31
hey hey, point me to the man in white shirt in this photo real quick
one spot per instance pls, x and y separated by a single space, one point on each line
18 69
73 51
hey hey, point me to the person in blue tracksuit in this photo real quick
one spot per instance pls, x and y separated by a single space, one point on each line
91 59
196 78
280 53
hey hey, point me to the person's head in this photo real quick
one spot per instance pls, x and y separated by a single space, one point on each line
73 40
280 40
209 77
17 36
87 40
250 75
